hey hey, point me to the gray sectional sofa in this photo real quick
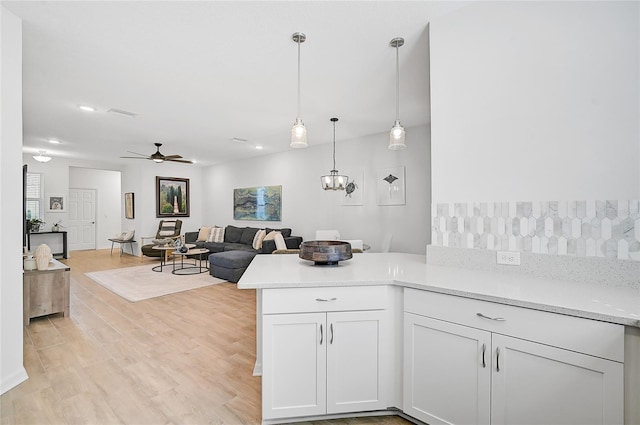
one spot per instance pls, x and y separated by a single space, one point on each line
241 239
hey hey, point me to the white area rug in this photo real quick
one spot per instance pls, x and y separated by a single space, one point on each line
141 283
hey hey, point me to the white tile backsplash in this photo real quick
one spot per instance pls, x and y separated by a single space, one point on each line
591 228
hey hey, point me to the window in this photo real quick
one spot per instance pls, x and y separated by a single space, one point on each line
35 201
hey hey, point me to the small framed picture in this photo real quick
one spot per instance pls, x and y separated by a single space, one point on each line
128 205
56 203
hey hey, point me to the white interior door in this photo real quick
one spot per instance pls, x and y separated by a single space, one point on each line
82 219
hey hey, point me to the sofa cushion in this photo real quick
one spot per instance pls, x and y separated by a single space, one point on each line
232 259
238 247
286 232
248 233
232 234
214 246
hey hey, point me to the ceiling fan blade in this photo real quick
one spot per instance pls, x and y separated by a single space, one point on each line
172 157
184 161
135 157
136 153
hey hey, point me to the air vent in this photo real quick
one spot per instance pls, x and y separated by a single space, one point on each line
123 112
239 140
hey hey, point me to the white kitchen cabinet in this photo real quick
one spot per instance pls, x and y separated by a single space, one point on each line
323 362
475 362
444 377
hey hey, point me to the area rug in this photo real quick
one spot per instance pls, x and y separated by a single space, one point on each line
141 283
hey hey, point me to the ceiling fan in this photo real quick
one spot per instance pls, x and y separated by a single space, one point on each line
158 157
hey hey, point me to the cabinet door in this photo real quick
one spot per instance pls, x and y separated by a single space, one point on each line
294 362
447 372
539 384
356 361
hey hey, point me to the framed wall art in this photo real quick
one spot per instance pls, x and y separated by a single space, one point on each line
129 211
391 183
172 197
56 204
262 203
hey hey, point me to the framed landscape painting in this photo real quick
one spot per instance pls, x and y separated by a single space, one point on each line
172 197
262 203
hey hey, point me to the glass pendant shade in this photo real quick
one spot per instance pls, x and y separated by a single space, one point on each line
298 135
396 137
334 181
298 131
397 133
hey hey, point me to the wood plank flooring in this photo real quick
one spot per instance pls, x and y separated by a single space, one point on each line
184 358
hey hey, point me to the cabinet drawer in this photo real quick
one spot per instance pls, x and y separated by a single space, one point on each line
301 300
586 336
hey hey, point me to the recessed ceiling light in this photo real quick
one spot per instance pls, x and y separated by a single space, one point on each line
54 141
87 108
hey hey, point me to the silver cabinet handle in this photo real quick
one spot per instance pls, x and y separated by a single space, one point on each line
331 329
325 299
484 349
321 334
497 319
498 359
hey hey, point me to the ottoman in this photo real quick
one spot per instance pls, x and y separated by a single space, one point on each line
230 265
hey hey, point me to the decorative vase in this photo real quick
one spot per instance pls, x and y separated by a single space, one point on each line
43 257
55 228
183 249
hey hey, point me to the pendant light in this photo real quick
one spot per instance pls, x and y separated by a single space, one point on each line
397 133
298 131
41 157
334 181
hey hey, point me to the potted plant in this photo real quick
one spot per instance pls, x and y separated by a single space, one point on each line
34 224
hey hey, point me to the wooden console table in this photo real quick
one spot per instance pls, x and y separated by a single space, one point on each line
62 233
46 291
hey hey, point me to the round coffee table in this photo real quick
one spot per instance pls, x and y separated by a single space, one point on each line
196 267
164 256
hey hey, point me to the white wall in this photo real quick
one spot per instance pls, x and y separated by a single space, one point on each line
307 208
536 101
109 200
12 371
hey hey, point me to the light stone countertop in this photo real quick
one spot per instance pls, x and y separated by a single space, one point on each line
619 305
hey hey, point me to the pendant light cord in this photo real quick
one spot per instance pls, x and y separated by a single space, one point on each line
299 77
334 146
397 84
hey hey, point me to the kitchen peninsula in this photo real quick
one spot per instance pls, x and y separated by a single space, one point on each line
390 334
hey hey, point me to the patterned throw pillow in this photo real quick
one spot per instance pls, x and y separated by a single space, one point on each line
168 228
216 235
257 239
203 234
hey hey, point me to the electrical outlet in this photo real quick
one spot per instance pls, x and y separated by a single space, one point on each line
508 258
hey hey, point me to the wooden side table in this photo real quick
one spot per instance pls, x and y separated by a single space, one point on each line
46 291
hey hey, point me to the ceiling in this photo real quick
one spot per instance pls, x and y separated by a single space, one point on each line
198 74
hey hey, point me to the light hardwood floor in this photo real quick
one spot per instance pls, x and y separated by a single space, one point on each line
184 358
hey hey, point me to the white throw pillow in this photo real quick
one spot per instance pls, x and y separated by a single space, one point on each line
271 235
279 239
203 234
257 239
216 235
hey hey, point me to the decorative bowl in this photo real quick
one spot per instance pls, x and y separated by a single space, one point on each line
325 253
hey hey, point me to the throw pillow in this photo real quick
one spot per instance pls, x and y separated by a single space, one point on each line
279 239
257 240
168 228
203 234
271 235
216 235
